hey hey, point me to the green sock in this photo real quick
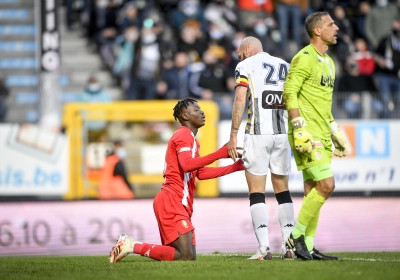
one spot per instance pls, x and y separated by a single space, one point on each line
311 205
310 232
298 230
309 242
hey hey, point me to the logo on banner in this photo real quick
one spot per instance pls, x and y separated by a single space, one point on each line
348 131
373 140
367 140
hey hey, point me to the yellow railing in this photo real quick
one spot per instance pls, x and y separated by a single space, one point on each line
134 111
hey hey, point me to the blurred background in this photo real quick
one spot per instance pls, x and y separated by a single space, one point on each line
87 89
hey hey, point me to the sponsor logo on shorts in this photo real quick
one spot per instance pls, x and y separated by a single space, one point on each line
184 224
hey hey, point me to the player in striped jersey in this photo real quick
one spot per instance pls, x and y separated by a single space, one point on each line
261 77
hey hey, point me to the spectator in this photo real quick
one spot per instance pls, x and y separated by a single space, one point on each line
363 57
108 33
222 14
379 20
249 10
177 77
359 19
123 65
187 9
146 67
211 77
388 70
353 86
344 34
291 11
114 183
264 29
218 40
94 93
129 17
192 41
232 58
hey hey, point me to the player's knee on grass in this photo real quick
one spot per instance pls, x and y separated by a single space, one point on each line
185 250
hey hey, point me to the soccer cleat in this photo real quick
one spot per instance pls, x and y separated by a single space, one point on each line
123 248
317 255
261 256
288 254
299 247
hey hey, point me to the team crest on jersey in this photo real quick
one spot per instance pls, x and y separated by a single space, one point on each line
184 224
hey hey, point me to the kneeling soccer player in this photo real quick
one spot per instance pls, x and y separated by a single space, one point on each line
173 205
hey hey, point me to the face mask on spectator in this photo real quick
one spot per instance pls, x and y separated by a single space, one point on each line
149 38
236 43
121 153
189 8
260 29
396 32
216 34
93 87
102 4
381 3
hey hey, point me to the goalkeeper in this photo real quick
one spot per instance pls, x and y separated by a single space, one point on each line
312 129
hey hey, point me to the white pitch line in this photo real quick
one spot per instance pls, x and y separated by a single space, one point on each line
368 260
342 259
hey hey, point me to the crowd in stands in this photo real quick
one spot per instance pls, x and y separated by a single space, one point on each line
171 49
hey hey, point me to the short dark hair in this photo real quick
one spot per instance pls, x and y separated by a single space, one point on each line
314 20
184 103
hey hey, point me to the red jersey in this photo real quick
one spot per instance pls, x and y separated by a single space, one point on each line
183 164
176 181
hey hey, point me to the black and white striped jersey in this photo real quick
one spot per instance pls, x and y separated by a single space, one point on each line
264 76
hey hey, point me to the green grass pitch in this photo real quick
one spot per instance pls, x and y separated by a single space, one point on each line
363 266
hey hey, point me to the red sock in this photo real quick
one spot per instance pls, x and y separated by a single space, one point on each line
156 252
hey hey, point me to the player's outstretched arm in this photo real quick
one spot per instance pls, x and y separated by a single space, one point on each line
205 173
188 163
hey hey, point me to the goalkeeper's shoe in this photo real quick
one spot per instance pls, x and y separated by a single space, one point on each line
317 255
299 247
122 248
261 256
287 254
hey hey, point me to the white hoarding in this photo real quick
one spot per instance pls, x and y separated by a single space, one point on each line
222 225
372 164
33 161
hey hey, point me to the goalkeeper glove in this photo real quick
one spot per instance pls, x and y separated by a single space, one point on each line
338 141
303 140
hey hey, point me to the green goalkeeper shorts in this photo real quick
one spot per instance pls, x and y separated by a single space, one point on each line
321 154
317 173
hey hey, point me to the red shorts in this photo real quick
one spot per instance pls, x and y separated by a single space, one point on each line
172 218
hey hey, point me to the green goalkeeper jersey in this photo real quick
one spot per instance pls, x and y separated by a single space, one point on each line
309 87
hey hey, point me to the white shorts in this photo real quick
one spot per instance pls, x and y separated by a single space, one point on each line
263 152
